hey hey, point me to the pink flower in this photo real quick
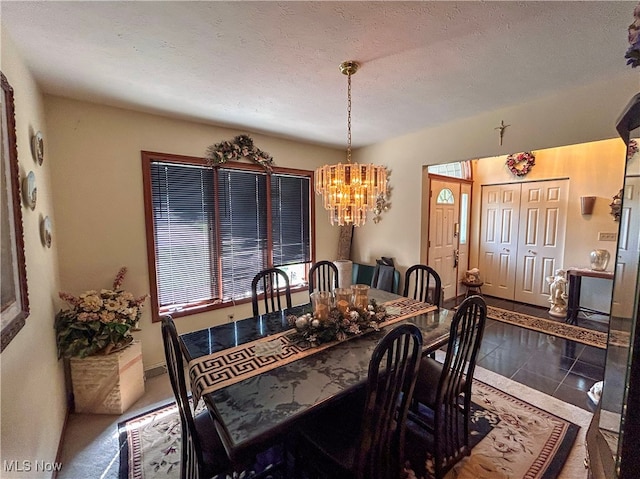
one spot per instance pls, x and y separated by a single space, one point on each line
119 278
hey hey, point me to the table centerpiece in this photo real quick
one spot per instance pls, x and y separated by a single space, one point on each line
339 324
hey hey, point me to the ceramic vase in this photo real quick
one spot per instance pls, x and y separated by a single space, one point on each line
599 259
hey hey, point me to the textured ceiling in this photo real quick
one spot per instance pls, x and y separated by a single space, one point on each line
273 67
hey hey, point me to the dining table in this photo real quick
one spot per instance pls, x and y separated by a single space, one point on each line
260 382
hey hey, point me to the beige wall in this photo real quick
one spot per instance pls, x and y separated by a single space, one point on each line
33 404
582 115
97 184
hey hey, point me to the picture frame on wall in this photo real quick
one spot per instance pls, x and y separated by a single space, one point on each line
13 283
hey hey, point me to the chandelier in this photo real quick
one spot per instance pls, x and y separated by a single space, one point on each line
350 190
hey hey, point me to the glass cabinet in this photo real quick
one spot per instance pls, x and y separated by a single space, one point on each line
613 438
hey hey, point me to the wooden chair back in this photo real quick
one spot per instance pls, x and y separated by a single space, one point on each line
192 460
272 284
323 276
392 375
453 397
422 282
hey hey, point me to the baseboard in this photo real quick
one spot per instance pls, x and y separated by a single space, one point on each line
155 371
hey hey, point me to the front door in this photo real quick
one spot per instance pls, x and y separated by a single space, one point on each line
443 233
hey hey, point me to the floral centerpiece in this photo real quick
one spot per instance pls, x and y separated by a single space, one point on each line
97 322
339 324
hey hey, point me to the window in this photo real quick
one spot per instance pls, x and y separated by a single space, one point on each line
458 169
445 197
211 230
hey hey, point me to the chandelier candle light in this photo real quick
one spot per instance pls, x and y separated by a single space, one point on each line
350 190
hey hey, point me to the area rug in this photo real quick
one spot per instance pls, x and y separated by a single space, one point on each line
579 334
512 439
150 447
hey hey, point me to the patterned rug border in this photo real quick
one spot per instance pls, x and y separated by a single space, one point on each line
558 451
579 334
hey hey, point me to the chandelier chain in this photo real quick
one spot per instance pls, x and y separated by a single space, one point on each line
349 118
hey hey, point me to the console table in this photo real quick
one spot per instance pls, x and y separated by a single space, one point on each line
574 276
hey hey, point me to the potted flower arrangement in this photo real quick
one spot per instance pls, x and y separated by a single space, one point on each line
98 322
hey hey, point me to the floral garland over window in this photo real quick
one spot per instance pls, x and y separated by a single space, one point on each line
339 325
633 53
514 162
241 147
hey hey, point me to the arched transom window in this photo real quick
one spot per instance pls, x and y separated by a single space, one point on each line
445 197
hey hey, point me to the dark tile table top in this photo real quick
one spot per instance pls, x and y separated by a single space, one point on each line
258 409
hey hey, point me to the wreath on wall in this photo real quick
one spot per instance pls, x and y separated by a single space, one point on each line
237 149
521 164
616 205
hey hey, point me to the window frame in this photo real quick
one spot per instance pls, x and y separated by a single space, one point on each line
203 306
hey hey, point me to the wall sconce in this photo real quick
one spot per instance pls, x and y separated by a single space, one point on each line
586 204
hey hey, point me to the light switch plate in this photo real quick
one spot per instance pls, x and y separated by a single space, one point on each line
607 236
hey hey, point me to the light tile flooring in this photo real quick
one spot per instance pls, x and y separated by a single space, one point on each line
558 367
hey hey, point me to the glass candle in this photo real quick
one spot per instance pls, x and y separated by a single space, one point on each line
360 295
343 299
321 301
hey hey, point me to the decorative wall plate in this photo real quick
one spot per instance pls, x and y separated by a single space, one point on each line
30 190
45 231
37 148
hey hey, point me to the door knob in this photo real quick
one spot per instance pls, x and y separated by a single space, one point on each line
532 252
505 249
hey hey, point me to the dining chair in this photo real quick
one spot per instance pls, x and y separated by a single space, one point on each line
422 282
272 283
203 454
362 436
442 395
324 276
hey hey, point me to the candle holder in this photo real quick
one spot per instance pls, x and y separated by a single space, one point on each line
342 299
360 295
321 301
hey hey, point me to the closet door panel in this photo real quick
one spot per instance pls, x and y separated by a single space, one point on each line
499 237
541 239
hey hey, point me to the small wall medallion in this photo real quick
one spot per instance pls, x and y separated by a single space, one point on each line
30 190
37 148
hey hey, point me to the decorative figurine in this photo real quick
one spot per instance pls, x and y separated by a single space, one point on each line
558 294
472 275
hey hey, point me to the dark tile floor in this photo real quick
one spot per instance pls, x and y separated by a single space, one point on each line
558 367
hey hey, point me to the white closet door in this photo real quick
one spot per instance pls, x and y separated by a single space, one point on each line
628 248
541 238
499 238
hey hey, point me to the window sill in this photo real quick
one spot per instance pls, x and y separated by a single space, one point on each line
205 307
